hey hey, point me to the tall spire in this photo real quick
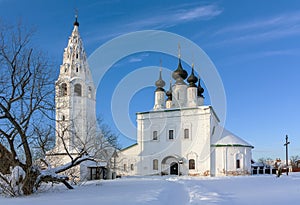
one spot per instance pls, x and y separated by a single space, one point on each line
74 59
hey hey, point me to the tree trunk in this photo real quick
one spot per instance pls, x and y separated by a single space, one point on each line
30 181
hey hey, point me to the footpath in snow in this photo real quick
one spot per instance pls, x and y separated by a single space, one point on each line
260 189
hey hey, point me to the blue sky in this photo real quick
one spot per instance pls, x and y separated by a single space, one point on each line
254 45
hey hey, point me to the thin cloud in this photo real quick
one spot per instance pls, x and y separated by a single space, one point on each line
279 26
206 12
171 17
160 19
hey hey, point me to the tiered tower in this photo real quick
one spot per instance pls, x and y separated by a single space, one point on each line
75 98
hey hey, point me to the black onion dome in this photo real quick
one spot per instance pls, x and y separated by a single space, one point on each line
179 74
200 90
160 83
76 23
169 93
192 79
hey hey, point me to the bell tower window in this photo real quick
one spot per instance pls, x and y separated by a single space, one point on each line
77 90
63 89
90 92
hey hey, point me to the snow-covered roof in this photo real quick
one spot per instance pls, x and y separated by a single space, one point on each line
229 139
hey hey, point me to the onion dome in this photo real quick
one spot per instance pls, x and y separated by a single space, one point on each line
160 83
76 23
179 74
200 90
169 92
192 79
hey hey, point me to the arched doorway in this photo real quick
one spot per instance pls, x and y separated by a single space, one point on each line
171 165
174 168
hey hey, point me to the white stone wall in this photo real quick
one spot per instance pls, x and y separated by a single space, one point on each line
197 146
226 160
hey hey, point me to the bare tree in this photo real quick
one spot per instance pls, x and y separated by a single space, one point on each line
294 160
26 99
27 125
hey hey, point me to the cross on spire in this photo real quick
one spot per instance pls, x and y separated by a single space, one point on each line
76 18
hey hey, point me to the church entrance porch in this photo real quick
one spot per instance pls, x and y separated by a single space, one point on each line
170 165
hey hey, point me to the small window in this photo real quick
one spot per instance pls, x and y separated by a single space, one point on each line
191 164
90 92
155 164
76 69
76 55
186 134
178 96
131 167
238 164
63 118
63 89
125 167
154 137
77 90
171 134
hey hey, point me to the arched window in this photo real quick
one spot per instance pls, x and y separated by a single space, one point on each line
155 164
238 163
191 164
63 118
76 69
77 90
154 137
76 55
63 89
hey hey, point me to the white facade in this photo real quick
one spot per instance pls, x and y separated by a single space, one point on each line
183 136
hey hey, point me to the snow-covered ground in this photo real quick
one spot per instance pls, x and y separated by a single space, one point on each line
261 189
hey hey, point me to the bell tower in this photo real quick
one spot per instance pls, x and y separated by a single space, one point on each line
74 97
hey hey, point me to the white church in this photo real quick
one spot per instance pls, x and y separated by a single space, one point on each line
182 136
179 136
